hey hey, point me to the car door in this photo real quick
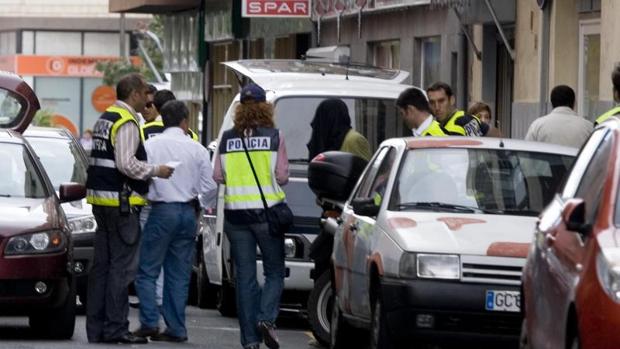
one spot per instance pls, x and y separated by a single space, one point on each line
18 102
563 250
362 230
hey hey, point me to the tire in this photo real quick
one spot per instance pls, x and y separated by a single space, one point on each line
379 333
56 323
524 340
226 303
343 335
206 293
572 339
320 308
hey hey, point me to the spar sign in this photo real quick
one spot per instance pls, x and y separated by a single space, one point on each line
276 8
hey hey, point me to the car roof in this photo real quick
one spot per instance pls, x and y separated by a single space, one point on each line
481 142
9 136
46 132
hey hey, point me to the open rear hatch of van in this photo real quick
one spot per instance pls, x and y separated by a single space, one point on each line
18 102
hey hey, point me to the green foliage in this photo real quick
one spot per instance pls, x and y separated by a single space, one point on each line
43 117
114 70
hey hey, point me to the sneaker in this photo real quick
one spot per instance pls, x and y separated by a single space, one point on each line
146 332
268 331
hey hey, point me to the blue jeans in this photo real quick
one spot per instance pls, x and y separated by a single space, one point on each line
168 240
159 285
254 304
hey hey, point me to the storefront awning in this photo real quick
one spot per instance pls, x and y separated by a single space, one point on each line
152 6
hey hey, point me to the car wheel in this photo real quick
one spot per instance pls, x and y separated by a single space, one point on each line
343 335
226 303
206 294
56 323
524 342
379 336
320 308
572 340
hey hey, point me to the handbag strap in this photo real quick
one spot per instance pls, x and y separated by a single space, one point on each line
247 154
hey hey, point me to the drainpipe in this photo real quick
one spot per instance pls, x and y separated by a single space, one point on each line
544 58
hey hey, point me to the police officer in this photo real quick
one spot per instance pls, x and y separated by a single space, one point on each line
455 122
245 222
615 80
155 126
416 113
117 177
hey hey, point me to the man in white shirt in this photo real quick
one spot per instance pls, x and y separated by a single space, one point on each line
168 237
562 126
416 113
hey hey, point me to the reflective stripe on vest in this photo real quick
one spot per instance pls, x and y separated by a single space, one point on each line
434 130
607 115
102 172
155 128
451 125
241 191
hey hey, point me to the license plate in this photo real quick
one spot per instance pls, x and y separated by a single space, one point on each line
503 301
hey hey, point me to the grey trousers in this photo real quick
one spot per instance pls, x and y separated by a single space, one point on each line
116 244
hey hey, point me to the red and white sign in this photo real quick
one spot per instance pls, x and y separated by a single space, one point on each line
276 8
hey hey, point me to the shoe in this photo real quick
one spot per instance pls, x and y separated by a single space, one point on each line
146 332
254 346
127 339
165 337
269 334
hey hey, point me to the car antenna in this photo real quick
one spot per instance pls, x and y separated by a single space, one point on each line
347 68
501 143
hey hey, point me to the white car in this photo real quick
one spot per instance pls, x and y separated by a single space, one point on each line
433 238
296 87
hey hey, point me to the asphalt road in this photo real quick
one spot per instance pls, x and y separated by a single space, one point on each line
207 329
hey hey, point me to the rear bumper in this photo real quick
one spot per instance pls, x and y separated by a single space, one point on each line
457 310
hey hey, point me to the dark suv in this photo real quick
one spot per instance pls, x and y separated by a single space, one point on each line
36 262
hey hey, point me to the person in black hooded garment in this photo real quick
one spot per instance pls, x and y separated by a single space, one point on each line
331 130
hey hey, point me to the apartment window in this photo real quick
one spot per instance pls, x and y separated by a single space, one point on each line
589 68
430 60
386 54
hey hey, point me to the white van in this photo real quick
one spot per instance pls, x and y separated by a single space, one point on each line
295 88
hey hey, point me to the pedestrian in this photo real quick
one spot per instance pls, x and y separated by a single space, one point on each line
245 218
149 113
416 113
87 140
562 126
454 121
482 111
155 126
615 81
169 233
117 177
331 130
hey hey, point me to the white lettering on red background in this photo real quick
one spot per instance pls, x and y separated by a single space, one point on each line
276 8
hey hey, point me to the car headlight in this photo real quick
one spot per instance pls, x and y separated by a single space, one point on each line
83 224
290 248
36 243
608 271
438 266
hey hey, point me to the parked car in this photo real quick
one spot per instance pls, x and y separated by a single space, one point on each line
36 254
296 87
65 160
571 281
432 239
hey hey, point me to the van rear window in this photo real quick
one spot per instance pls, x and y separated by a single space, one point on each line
376 119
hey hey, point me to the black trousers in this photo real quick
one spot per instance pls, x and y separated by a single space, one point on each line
115 247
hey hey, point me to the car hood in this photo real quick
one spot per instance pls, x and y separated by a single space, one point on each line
77 208
468 234
27 215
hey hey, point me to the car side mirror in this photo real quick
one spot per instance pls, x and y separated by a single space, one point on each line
574 217
365 207
72 192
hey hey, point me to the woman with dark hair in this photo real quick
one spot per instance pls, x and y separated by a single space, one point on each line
254 138
331 130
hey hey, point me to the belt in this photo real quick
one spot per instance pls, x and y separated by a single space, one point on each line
171 203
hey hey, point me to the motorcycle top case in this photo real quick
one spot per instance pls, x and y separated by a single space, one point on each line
333 174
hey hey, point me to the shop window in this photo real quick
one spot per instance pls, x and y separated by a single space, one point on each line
430 60
386 54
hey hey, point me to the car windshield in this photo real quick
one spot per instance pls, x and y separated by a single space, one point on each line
19 175
376 119
61 159
496 181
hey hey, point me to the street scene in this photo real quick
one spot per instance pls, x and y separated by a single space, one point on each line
308 174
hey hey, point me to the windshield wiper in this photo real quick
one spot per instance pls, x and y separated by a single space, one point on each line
438 206
5 195
513 211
